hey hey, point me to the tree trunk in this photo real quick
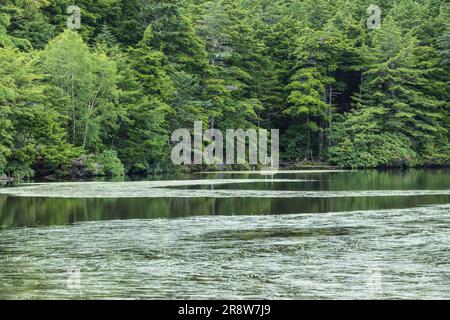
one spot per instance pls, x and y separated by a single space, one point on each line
74 130
321 142
330 115
308 140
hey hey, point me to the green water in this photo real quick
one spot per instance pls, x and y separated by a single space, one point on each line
366 234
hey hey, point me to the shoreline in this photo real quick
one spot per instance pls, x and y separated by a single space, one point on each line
268 171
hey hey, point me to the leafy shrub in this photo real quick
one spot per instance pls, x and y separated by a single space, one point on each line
433 154
383 150
108 164
2 163
19 171
293 144
103 164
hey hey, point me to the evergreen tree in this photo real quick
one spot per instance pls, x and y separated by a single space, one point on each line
395 99
29 22
7 40
112 92
140 133
318 55
444 44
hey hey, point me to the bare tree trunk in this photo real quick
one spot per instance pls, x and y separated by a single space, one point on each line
330 115
321 142
74 120
89 113
308 139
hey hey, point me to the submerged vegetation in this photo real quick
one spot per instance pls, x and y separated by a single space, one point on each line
303 256
103 100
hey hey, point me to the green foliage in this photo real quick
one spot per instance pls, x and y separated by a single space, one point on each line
293 146
445 47
138 69
7 40
141 129
383 150
86 83
107 163
30 129
29 22
400 76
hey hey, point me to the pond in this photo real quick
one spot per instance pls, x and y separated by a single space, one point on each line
294 234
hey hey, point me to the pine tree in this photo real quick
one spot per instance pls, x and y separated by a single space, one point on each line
398 81
396 102
138 69
29 22
235 57
444 44
140 134
151 68
7 40
318 55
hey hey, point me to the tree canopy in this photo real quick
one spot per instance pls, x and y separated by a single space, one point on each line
107 96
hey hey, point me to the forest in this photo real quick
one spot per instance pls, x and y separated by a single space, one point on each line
103 99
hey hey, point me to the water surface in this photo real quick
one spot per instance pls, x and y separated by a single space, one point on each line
299 235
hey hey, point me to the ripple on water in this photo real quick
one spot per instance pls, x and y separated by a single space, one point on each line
168 189
368 254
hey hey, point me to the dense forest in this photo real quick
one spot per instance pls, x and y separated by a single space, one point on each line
103 99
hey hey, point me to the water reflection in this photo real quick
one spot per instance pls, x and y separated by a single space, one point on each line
27 212
43 211
362 255
233 248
